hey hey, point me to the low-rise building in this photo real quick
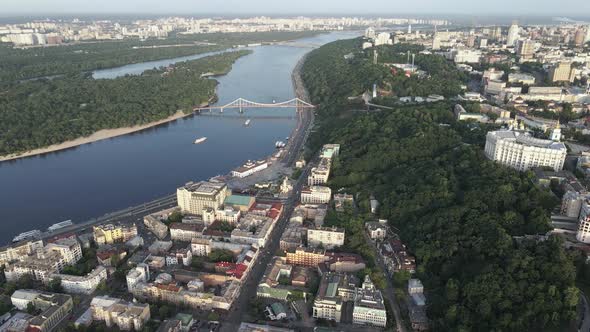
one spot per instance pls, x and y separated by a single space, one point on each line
53 308
334 289
139 274
185 232
127 316
201 247
182 256
20 251
343 200
155 222
250 168
110 233
377 230
160 247
82 284
326 237
315 195
369 307
320 174
306 257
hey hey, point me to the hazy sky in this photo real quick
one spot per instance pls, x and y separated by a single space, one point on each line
378 7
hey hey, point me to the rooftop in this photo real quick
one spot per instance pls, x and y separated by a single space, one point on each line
525 139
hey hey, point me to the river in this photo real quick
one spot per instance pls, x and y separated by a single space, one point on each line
93 179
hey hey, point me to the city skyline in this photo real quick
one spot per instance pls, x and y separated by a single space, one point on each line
303 7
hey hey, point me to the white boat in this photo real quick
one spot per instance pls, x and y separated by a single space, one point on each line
247 123
200 140
60 225
27 235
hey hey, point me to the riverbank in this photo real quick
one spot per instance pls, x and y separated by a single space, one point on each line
95 137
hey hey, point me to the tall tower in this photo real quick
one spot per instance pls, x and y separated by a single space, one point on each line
556 132
512 35
409 29
375 56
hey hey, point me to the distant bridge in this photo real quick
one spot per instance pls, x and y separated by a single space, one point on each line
241 103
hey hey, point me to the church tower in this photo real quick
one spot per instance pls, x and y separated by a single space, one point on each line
556 133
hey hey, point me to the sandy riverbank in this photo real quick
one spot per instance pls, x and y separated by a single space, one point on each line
97 136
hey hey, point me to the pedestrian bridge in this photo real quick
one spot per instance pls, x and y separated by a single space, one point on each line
241 104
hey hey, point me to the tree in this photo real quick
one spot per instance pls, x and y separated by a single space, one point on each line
175 216
31 308
221 255
213 316
55 285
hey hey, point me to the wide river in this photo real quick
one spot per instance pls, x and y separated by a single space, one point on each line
109 175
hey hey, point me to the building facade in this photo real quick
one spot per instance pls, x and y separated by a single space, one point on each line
520 151
316 195
326 237
193 198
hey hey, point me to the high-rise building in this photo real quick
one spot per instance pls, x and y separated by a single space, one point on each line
519 150
512 35
579 37
587 36
562 72
370 33
526 49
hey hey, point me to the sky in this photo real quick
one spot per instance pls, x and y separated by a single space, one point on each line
291 7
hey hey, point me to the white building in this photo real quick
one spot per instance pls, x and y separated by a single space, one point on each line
571 204
116 312
415 286
326 237
583 234
140 274
466 56
22 297
383 38
82 284
201 247
377 230
319 175
369 307
193 198
249 168
517 149
316 195
185 232
512 35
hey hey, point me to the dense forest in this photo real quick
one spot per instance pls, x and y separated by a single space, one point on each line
39 113
353 75
462 215
19 64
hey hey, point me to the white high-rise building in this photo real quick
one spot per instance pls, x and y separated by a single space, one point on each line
512 35
370 33
587 37
519 150
583 234
383 38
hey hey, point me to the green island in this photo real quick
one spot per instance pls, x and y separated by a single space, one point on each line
21 64
473 225
40 113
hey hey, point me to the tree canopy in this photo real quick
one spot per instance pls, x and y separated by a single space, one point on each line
460 214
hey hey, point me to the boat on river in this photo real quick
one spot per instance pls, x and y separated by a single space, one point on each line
247 123
200 140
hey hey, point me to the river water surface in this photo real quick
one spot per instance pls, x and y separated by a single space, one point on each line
104 176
